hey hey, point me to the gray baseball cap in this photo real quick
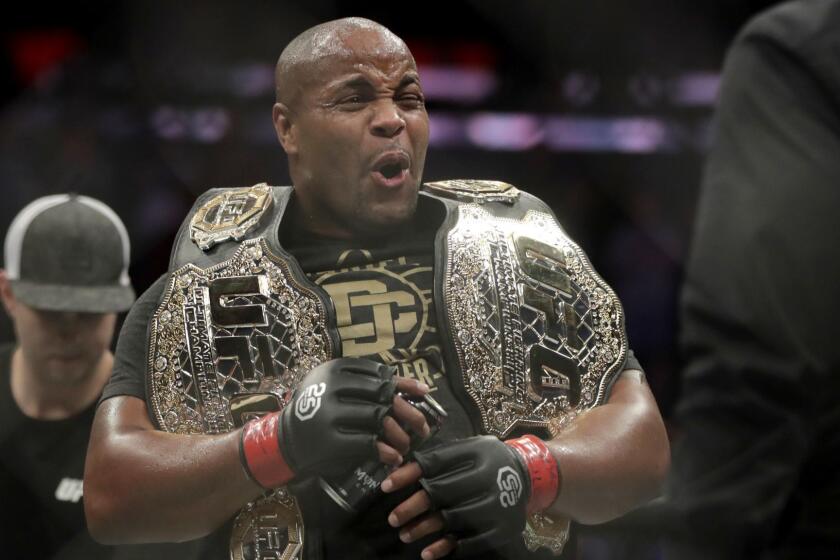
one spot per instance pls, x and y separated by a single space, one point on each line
68 252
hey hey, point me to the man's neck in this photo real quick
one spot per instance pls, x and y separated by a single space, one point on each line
40 397
306 222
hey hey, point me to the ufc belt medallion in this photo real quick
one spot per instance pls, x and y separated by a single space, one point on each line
538 334
229 215
474 190
228 344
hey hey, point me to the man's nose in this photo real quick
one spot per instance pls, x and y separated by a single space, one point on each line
67 322
387 120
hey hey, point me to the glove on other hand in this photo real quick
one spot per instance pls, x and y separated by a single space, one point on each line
481 488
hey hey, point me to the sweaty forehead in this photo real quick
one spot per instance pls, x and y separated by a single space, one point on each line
366 51
367 42
331 51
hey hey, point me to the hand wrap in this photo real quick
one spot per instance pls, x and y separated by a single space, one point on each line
333 419
542 470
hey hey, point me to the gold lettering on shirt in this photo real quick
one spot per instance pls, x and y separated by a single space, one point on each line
413 366
385 312
386 307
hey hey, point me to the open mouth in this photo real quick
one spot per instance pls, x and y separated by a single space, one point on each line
391 168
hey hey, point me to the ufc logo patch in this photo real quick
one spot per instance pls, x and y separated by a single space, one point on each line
309 401
69 490
510 486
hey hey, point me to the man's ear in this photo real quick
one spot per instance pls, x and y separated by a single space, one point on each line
286 131
6 295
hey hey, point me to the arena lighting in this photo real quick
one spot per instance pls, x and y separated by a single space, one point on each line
252 80
34 53
646 90
695 89
471 85
507 131
447 130
457 84
621 134
440 82
580 88
206 125
520 132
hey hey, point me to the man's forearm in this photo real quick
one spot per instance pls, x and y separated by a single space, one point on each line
144 485
613 457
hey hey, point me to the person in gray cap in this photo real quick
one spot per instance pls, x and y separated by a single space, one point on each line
65 278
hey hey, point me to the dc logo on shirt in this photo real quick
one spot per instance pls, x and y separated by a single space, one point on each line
510 486
309 401
69 490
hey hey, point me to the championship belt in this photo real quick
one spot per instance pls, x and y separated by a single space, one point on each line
227 344
538 334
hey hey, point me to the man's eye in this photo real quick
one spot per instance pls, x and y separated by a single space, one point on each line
412 99
353 99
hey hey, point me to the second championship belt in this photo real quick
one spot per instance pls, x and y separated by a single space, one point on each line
538 335
227 344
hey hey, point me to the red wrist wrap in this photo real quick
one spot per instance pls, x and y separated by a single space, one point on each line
261 454
542 470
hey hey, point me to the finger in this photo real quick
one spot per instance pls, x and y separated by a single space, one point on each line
404 476
363 367
394 435
388 454
417 504
409 416
422 527
357 446
438 549
361 416
411 386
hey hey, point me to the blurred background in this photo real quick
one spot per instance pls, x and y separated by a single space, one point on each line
602 108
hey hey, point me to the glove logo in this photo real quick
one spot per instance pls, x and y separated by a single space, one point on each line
510 486
309 401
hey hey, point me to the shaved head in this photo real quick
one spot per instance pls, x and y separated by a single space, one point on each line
298 63
351 117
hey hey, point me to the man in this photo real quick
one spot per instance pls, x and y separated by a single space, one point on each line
348 264
65 278
755 470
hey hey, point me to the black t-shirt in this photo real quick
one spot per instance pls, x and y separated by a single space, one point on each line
382 293
381 290
41 472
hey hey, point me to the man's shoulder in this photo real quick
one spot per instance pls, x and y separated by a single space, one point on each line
226 214
800 25
225 207
473 190
239 190
796 41
497 198
481 191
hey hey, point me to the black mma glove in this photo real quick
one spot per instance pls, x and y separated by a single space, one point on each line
481 488
332 420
